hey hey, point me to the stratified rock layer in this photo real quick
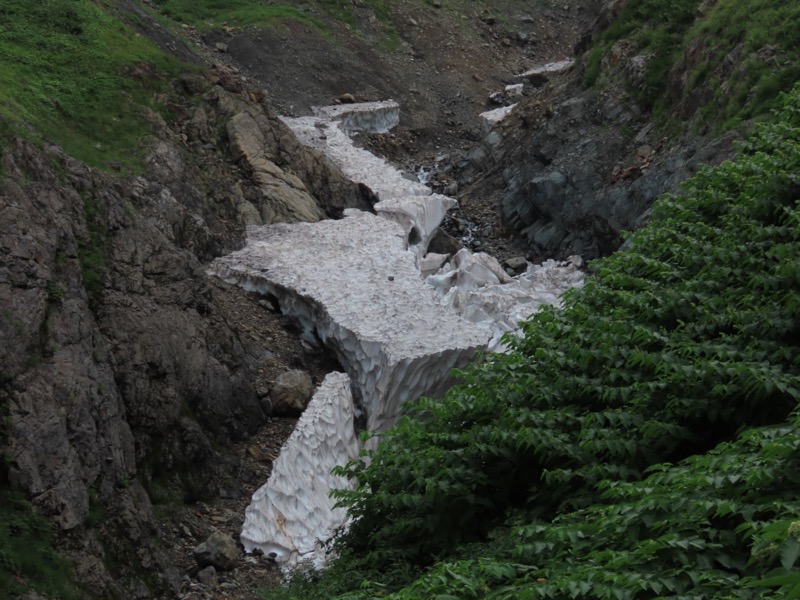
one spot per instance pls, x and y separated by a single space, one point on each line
278 520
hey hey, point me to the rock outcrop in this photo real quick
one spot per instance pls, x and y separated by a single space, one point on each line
569 169
118 370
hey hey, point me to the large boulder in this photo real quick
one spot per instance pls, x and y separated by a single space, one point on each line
218 551
292 392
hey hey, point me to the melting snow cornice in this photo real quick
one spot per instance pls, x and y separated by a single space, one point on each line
371 117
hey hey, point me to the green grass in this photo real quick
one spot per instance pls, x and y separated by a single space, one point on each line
767 35
73 73
27 557
657 27
207 14
749 88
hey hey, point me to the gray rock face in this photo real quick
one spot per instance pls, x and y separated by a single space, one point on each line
218 551
115 362
68 427
574 175
291 392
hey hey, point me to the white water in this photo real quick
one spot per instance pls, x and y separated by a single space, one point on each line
398 318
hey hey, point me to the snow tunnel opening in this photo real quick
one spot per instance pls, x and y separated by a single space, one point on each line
414 237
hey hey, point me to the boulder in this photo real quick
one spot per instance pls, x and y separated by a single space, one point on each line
218 551
207 575
291 392
518 264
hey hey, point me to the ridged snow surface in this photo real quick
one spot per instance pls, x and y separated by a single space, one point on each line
352 281
476 287
359 284
278 520
369 117
408 202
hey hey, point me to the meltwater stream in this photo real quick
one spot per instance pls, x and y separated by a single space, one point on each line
399 319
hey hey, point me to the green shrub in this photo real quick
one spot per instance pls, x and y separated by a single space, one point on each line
638 443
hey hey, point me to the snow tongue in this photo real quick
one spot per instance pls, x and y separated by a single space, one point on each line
398 318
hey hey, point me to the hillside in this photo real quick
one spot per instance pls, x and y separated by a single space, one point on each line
139 139
641 442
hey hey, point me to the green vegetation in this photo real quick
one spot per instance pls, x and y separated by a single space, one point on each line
642 442
27 558
745 52
656 27
751 52
207 14
74 73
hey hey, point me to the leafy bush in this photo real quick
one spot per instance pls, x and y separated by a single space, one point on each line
570 442
722 525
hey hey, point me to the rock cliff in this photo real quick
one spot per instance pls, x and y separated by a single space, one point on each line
119 370
570 169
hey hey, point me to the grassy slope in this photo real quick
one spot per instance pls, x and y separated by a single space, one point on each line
72 72
747 52
643 442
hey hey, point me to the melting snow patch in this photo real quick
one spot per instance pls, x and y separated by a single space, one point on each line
291 516
550 68
493 117
355 284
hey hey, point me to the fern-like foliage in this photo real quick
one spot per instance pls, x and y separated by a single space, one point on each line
639 443
674 346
